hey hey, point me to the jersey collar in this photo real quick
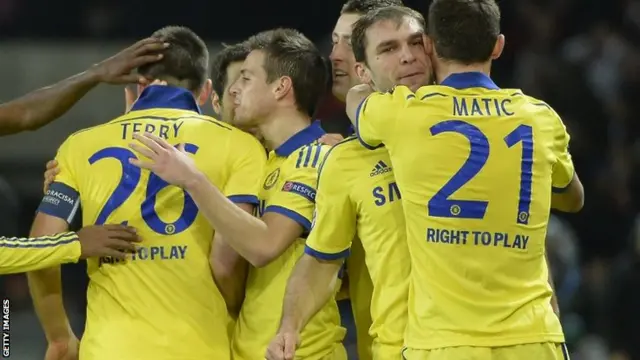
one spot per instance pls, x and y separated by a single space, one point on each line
469 80
304 137
167 97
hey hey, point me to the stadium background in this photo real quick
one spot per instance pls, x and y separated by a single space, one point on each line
582 57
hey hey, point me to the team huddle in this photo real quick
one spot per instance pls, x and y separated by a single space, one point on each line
432 217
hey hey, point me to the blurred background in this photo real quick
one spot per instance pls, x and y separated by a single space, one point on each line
580 56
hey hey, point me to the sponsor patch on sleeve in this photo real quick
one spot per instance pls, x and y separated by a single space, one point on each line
301 189
61 201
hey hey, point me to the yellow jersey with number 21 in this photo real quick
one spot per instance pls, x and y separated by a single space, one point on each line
161 303
476 165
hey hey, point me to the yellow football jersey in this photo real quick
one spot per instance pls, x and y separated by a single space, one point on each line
476 165
288 188
360 293
162 302
358 195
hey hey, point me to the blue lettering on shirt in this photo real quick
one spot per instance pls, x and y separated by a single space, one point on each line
477 238
151 253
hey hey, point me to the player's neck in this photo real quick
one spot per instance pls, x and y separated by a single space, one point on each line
447 68
280 126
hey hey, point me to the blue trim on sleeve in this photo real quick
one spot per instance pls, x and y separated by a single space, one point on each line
326 256
306 224
244 199
560 190
370 147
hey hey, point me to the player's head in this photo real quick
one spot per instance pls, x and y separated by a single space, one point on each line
184 64
225 70
342 59
465 31
283 72
388 45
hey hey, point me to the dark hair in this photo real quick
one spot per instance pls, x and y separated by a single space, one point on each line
289 53
185 60
364 6
222 60
396 14
464 30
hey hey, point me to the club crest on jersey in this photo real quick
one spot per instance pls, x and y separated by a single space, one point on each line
303 190
271 179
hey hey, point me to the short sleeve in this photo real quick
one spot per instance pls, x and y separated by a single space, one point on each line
376 116
563 170
62 199
297 195
247 169
334 222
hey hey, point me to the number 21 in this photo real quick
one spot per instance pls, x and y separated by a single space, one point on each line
129 181
441 205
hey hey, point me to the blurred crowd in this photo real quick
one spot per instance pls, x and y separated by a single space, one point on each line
582 57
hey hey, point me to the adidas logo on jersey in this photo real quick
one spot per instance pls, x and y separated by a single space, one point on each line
380 168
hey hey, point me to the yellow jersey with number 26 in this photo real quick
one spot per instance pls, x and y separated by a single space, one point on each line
161 303
476 165
289 189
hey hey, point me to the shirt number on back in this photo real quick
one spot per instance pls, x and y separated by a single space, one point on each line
129 181
441 205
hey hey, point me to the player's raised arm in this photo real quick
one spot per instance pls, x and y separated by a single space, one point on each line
42 106
568 193
313 280
257 240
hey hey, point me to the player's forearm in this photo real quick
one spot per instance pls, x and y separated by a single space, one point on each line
28 254
242 231
42 106
229 273
311 285
45 287
355 97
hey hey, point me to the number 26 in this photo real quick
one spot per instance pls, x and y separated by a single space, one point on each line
441 205
129 181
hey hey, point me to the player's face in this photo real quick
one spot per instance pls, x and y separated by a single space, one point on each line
253 96
342 59
396 55
228 108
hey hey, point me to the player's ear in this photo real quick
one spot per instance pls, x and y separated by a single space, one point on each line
498 47
428 44
364 75
205 92
282 87
215 102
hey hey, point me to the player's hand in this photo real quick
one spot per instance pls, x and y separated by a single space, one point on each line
172 164
107 240
119 68
330 139
50 174
283 346
63 350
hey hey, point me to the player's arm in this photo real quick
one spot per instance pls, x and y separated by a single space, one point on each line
568 193
242 188
313 280
372 113
257 240
42 106
284 220
27 254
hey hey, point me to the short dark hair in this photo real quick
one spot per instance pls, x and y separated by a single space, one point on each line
389 13
464 30
289 53
222 60
364 6
186 60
